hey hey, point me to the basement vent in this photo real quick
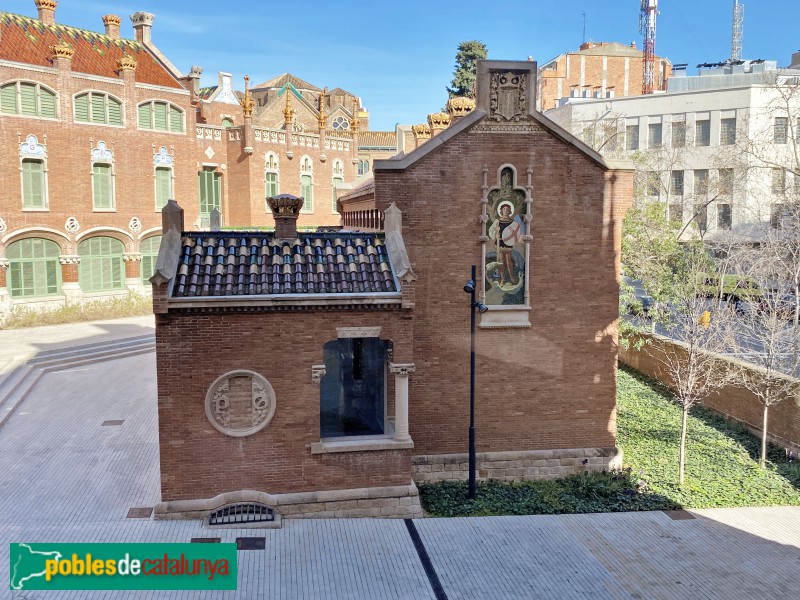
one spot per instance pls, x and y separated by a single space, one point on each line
241 513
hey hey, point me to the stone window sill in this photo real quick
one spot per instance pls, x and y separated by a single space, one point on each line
359 446
499 317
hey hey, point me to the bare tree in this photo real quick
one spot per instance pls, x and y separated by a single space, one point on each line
767 339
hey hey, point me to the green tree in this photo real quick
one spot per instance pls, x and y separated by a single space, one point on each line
467 57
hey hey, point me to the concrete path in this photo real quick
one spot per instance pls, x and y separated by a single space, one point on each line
66 477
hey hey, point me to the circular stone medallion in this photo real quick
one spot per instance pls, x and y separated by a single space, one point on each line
240 403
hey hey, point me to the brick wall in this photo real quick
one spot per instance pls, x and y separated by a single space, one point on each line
194 349
551 385
734 402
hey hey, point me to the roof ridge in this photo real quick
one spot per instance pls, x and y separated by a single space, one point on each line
59 30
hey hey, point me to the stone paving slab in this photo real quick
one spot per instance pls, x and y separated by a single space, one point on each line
64 477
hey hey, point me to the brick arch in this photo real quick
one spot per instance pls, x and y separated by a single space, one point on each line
112 232
65 245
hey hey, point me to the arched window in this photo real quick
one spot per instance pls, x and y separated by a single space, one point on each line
363 167
101 268
33 268
102 178
338 180
271 176
27 99
98 108
33 169
307 184
162 175
227 122
161 116
149 250
352 391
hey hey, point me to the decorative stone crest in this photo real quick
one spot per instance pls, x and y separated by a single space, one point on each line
402 369
72 225
62 50
3 226
131 257
285 205
209 153
508 96
460 106
142 18
439 120
126 63
102 153
112 20
69 259
162 158
135 224
31 148
358 332
240 403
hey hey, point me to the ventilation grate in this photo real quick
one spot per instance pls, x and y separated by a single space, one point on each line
242 513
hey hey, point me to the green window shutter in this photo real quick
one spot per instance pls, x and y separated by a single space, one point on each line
217 180
114 112
27 98
8 99
305 192
160 116
163 187
101 266
272 184
32 184
175 119
98 108
226 122
203 187
145 116
149 249
101 183
34 269
47 101
82 108
337 181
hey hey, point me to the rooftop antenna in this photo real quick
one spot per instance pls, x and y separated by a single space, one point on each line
738 28
584 29
647 26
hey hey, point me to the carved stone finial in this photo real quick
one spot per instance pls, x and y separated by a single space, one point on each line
322 118
247 102
288 111
460 106
112 20
62 50
354 124
142 18
438 121
48 4
422 130
126 63
285 210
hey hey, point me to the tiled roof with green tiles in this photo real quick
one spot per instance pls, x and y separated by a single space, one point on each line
28 40
205 92
215 264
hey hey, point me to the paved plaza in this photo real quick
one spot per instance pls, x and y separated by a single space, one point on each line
64 477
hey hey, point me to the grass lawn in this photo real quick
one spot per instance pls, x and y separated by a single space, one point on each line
721 468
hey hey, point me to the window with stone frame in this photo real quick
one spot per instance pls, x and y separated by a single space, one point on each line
676 183
102 178
338 180
28 99
210 193
163 183
610 136
724 216
654 184
778 181
702 132
701 216
727 131
726 182
271 177
307 184
97 108
353 389
34 188
781 130
678 134
700 183
340 123
33 269
160 116
632 137
101 268
654 135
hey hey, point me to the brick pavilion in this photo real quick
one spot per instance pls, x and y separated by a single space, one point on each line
323 374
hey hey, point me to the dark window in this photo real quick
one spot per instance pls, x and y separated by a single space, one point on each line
724 216
702 133
726 182
676 212
701 218
632 137
654 135
676 183
781 129
678 134
701 182
352 392
727 132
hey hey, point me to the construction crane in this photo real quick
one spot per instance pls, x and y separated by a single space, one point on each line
647 27
738 26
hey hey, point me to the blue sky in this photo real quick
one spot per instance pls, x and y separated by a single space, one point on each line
399 55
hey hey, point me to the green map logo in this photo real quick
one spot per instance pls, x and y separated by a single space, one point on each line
122 566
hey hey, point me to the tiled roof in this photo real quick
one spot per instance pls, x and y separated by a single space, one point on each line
337 91
364 188
213 264
205 92
27 40
282 80
377 139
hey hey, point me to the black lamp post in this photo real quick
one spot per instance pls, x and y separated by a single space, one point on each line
469 287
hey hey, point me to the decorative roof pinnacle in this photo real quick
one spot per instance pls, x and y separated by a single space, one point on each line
247 102
354 123
62 50
126 63
288 111
322 118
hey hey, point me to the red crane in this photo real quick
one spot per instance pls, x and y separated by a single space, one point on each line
647 27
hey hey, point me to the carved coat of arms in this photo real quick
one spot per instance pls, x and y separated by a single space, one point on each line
508 96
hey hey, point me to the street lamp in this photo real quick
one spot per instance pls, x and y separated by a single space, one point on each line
469 288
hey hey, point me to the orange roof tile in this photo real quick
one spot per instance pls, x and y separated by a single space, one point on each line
377 139
27 40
